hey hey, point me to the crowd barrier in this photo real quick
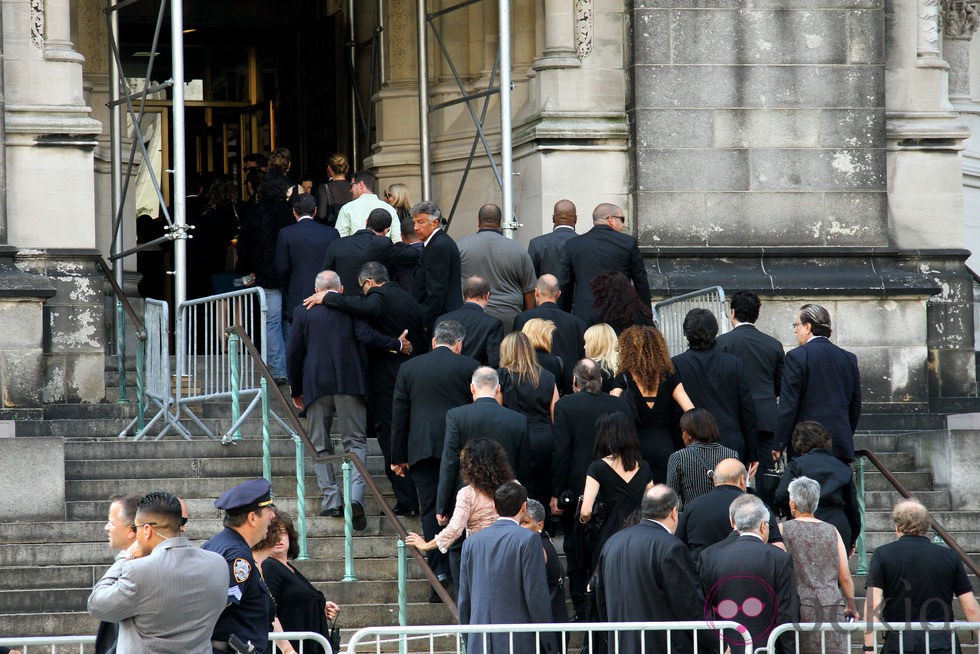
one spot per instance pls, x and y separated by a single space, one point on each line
856 632
449 638
32 645
669 315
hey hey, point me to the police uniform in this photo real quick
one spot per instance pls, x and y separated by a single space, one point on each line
250 608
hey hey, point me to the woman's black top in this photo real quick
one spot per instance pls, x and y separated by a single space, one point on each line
299 606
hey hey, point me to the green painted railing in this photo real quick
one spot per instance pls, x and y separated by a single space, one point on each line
123 310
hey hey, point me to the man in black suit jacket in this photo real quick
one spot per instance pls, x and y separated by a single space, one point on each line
347 255
820 382
601 249
568 339
483 331
716 381
749 569
762 358
575 418
426 388
438 283
546 250
645 574
393 312
299 250
706 520
326 370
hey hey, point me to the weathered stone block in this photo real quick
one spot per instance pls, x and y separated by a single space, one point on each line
700 87
758 37
868 323
824 86
813 4
852 128
865 33
692 170
32 479
766 128
76 329
21 324
674 128
22 375
891 374
54 379
658 215
800 169
651 36
85 381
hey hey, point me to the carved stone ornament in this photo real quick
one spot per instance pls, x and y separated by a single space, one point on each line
583 28
959 18
928 29
37 23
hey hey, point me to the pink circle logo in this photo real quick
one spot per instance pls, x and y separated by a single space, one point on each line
743 597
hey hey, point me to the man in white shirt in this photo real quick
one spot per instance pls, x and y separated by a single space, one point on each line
353 215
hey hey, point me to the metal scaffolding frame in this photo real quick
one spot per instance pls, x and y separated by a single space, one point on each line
504 174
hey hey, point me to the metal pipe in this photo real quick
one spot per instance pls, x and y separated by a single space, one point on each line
301 499
266 433
506 153
382 78
402 593
348 526
115 175
179 155
235 381
352 38
425 156
861 543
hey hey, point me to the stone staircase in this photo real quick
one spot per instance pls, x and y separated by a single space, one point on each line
48 568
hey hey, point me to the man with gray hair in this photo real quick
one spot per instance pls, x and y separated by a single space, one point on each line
646 574
820 382
426 388
747 580
438 279
325 361
484 418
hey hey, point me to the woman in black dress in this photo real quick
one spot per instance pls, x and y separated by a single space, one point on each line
539 332
647 376
816 460
616 480
299 606
534 519
529 389
601 345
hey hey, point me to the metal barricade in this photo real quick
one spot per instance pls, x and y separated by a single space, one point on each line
856 630
448 638
669 314
157 388
303 637
34 644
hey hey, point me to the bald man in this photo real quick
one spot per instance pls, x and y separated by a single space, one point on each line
545 250
604 248
568 339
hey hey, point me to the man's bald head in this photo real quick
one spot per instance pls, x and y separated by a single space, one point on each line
565 213
489 216
547 289
603 211
730 471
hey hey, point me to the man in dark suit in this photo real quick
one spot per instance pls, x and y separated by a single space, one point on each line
299 250
426 388
749 569
326 369
762 358
393 312
716 381
645 574
483 332
706 519
575 418
404 273
603 248
913 580
503 579
438 282
568 339
347 255
820 382
546 250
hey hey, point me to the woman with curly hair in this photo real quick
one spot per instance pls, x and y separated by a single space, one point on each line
484 467
647 376
530 390
616 303
601 347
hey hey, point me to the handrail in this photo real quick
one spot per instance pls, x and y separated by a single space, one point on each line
319 458
121 298
897 485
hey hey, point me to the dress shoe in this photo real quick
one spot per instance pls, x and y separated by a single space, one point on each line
335 512
446 583
403 512
358 520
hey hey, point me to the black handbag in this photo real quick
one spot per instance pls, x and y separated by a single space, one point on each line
333 635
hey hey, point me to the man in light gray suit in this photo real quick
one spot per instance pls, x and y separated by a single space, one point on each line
503 579
167 599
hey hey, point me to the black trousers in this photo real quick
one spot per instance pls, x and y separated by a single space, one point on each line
382 393
425 475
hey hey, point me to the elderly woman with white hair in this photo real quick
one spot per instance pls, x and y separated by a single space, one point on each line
820 563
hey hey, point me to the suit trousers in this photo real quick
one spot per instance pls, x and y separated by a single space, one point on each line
406 498
765 483
275 347
425 474
351 421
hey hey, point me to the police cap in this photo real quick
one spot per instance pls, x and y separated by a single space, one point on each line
247 496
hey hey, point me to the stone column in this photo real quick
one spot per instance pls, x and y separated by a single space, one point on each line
559 36
959 20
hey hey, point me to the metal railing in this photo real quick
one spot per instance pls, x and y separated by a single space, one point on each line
57 643
348 462
862 628
123 310
669 314
448 638
861 545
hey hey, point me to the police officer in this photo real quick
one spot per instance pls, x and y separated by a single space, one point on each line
248 511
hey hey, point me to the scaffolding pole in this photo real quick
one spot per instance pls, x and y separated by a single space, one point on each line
506 154
179 155
425 153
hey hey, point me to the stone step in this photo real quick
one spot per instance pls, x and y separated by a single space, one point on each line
204 467
912 481
896 461
951 520
112 428
882 500
177 448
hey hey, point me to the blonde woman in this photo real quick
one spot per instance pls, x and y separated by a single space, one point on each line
529 389
397 196
602 346
539 332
